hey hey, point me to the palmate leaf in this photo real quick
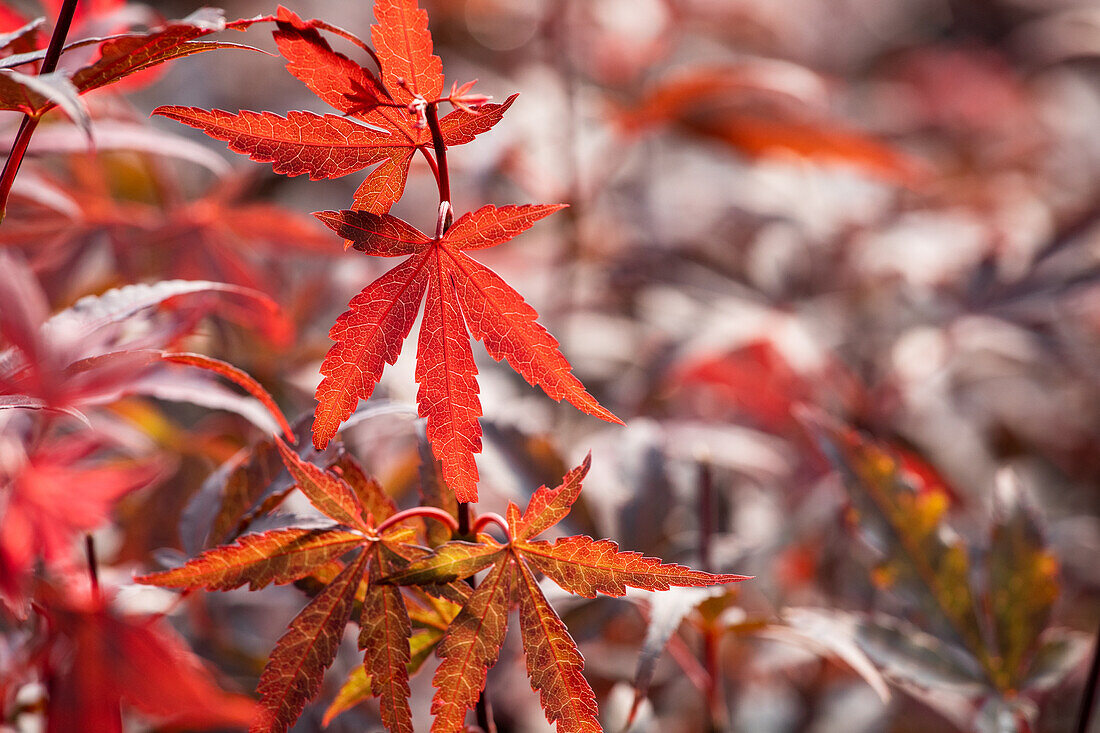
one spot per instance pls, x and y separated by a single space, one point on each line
579 564
294 672
329 146
384 632
279 556
995 613
460 293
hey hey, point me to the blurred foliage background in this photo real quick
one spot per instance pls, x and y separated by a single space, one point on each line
836 262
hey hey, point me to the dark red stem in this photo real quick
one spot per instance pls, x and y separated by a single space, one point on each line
464 532
432 115
1088 700
427 512
93 565
27 127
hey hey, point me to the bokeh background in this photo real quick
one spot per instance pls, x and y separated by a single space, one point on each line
835 262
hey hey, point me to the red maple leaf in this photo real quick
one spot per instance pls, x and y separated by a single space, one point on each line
381 125
461 294
98 658
42 514
580 565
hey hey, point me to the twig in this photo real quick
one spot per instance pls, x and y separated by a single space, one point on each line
29 123
1088 700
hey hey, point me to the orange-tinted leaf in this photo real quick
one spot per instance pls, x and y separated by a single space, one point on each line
367 336
492 225
450 561
374 500
498 316
324 146
554 664
239 377
448 391
297 665
585 567
404 48
547 507
470 648
278 556
918 560
384 636
328 493
383 187
817 140
461 293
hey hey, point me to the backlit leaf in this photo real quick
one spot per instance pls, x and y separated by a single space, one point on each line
297 665
278 556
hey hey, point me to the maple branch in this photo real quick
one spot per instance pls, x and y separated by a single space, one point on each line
1088 700
427 512
29 123
492 518
463 532
431 164
93 565
432 115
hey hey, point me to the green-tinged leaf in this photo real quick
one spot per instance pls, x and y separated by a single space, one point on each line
922 560
448 562
470 647
585 567
297 665
421 645
328 493
356 689
1060 652
554 664
1023 579
547 507
384 637
278 556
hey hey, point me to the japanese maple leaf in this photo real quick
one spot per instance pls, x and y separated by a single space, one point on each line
98 658
461 293
378 127
66 486
296 667
580 565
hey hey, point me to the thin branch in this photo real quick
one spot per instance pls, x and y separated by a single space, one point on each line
432 115
1088 701
93 565
27 127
